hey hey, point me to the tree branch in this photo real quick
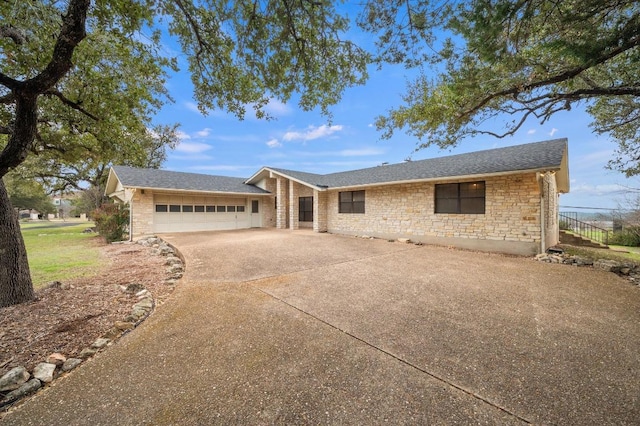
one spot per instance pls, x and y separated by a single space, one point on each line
13 33
558 78
70 103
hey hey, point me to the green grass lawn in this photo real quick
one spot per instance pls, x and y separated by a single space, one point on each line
59 251
618 253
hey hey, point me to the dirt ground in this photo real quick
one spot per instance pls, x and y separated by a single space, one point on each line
69 316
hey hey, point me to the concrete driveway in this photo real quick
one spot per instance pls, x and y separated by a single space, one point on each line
292 327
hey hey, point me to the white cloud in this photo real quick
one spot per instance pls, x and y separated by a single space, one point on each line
273 143
192 106
312 133
192 147
531 131
204 133
277 108
182 135
553 131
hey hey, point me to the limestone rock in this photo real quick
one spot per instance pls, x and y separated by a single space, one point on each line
56 359
87 352
15 378
44 372
27 388
607 265
134 288
124 325
404 240
71 363
172 260
165 249
111 333
100 343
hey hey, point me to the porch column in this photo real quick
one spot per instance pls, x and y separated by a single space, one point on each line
294 205
320 211
281 205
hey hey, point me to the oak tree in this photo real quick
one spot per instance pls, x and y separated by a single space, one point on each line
489 65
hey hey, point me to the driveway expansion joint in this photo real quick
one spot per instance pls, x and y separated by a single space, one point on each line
397 357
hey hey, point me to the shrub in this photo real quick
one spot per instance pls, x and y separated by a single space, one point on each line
112 221
629 237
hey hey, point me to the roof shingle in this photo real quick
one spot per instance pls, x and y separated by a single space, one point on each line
165 179
532 156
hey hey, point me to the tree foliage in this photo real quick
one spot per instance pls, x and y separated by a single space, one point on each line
27 194
520 59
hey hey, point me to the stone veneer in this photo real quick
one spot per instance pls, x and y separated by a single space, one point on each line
142 212
511 222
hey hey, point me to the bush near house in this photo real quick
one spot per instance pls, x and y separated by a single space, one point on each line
629 237
112 221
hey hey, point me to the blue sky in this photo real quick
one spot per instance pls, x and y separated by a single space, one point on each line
220 144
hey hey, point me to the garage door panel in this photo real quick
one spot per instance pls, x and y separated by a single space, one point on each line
197 213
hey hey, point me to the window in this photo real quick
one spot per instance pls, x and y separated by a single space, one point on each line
351 202
255 206
240 209
460 198
199 209
162 208
187 209
305 210
231 209
211 209
221 209
174 208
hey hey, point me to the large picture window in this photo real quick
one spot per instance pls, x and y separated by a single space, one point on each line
460 198
305 209
351 202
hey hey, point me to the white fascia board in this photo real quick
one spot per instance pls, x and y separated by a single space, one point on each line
195 191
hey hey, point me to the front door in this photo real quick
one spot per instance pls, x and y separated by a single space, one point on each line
305 209
256 221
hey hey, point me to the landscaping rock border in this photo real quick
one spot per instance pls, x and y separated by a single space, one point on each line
628 270
18 382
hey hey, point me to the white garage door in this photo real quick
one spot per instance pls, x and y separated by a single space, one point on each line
175 213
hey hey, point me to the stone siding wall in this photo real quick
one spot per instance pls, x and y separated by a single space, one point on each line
269 204
512 215
320 209
142 213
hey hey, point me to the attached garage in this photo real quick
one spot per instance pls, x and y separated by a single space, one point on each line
164 201
174 213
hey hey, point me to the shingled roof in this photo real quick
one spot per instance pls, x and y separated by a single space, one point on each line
131 177
540 156
533 157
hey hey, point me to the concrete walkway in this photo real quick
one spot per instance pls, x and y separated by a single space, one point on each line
282 327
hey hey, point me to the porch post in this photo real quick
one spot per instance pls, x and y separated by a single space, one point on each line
281 205
319 211
294 205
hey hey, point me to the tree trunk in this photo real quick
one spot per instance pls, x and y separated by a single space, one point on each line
15 278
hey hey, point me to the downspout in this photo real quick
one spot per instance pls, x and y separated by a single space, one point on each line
543 231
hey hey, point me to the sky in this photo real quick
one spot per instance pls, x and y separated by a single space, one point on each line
221 144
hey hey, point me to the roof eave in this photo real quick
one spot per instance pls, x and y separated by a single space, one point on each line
158 189
443 178
271 172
